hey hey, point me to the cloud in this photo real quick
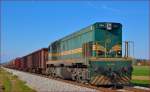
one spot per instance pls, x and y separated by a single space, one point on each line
91 5
106 7
103 6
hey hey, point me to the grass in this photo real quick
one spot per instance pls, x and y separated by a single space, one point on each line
11 83
141 71
6 83
144 83
140 81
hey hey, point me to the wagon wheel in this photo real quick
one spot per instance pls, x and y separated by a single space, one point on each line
53 73
79 76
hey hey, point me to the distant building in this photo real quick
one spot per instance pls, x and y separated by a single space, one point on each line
141 62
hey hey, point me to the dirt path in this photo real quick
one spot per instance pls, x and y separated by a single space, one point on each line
1 87
11 83
141 77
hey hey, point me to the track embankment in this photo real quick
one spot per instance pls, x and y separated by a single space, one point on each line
42 83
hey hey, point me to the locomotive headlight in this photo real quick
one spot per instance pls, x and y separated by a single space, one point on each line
119 52
109 26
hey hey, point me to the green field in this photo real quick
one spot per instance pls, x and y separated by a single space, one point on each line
11 83
144 73
141 70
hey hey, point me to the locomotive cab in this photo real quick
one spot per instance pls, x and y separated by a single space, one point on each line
96 50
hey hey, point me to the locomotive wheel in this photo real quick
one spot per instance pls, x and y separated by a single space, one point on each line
74 77
77 75
79 78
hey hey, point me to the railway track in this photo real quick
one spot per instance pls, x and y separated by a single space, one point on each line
99 88
104 88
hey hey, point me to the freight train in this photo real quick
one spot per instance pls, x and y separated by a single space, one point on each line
91 55
33 62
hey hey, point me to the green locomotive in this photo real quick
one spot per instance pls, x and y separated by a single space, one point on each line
93 55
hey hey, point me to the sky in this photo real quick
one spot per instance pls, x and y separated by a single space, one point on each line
27 26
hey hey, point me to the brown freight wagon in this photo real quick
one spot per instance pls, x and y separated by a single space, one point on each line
10 64
17 63
29 63
24 63
35 61
39 59
21 64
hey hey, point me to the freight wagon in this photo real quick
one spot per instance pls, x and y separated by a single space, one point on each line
93 54
10 64
35 61
17 64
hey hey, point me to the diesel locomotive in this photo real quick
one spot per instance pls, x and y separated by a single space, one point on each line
93 55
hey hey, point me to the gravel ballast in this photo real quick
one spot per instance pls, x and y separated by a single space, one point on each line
42 84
